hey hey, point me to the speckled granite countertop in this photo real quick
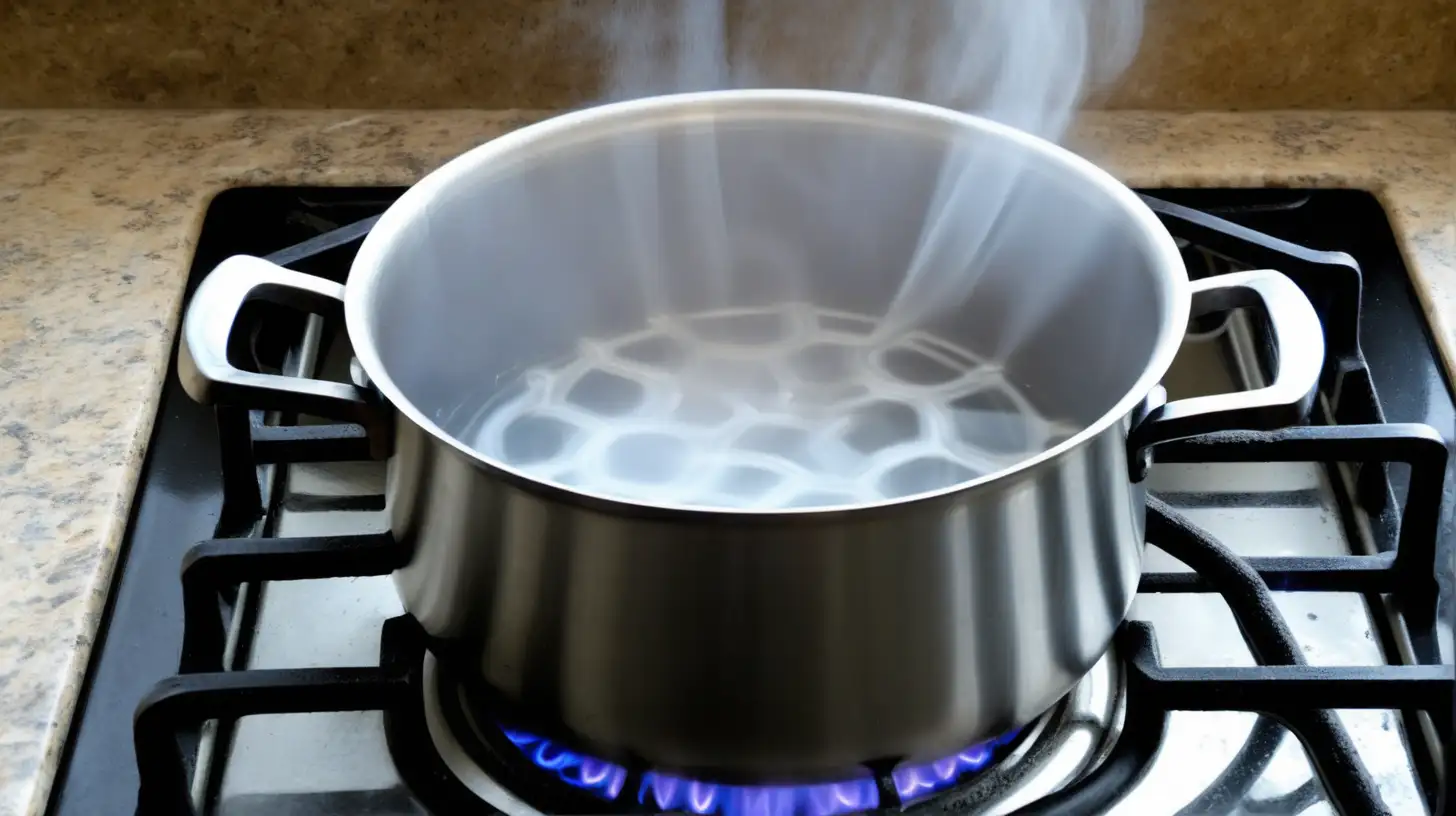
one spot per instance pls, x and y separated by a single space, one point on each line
99 213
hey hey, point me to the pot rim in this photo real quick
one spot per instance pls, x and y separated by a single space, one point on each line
415 202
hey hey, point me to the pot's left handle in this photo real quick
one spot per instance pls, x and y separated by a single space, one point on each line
211 379
1299 348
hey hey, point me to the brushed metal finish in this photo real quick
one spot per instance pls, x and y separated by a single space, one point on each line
792 644
755 649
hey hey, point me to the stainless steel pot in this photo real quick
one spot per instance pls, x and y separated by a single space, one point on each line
762 645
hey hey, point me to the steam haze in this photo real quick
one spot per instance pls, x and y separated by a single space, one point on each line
782 269
1025 63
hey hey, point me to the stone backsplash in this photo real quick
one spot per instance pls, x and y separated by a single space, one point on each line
1196 54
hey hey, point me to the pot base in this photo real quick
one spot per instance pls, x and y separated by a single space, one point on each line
521 773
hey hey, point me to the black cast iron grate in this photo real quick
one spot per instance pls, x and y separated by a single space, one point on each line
1282 689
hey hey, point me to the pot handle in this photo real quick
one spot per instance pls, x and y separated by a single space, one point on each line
1299 350
202 357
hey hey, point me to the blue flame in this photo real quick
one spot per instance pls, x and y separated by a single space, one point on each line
828 799
917 781
669 793
596 775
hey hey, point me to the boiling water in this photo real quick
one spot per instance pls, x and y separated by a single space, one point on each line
763 409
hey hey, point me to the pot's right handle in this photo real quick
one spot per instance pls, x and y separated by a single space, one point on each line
1299 350
202 359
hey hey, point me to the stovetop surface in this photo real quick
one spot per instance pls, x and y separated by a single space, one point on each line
1209 761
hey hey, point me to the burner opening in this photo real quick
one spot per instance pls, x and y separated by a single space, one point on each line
666 792
605 779
915 781
547 774
661 791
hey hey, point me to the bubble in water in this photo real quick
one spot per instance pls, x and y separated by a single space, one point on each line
697 408
921 475
606 394
992 421
647 458
530 439
916 367
746 482
657 351
822 363
825 400
784 441
881 424
749 381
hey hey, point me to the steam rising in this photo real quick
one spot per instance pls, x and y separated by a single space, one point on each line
1025 63
919 227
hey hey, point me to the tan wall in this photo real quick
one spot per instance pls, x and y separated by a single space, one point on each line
1241 54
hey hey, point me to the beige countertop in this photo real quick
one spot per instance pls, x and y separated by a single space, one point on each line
551 54
99 213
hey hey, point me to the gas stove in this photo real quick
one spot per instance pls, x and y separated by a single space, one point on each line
1289 652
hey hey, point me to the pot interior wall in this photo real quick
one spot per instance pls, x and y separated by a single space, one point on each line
588 232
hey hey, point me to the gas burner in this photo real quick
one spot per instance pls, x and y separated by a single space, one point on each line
520 773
